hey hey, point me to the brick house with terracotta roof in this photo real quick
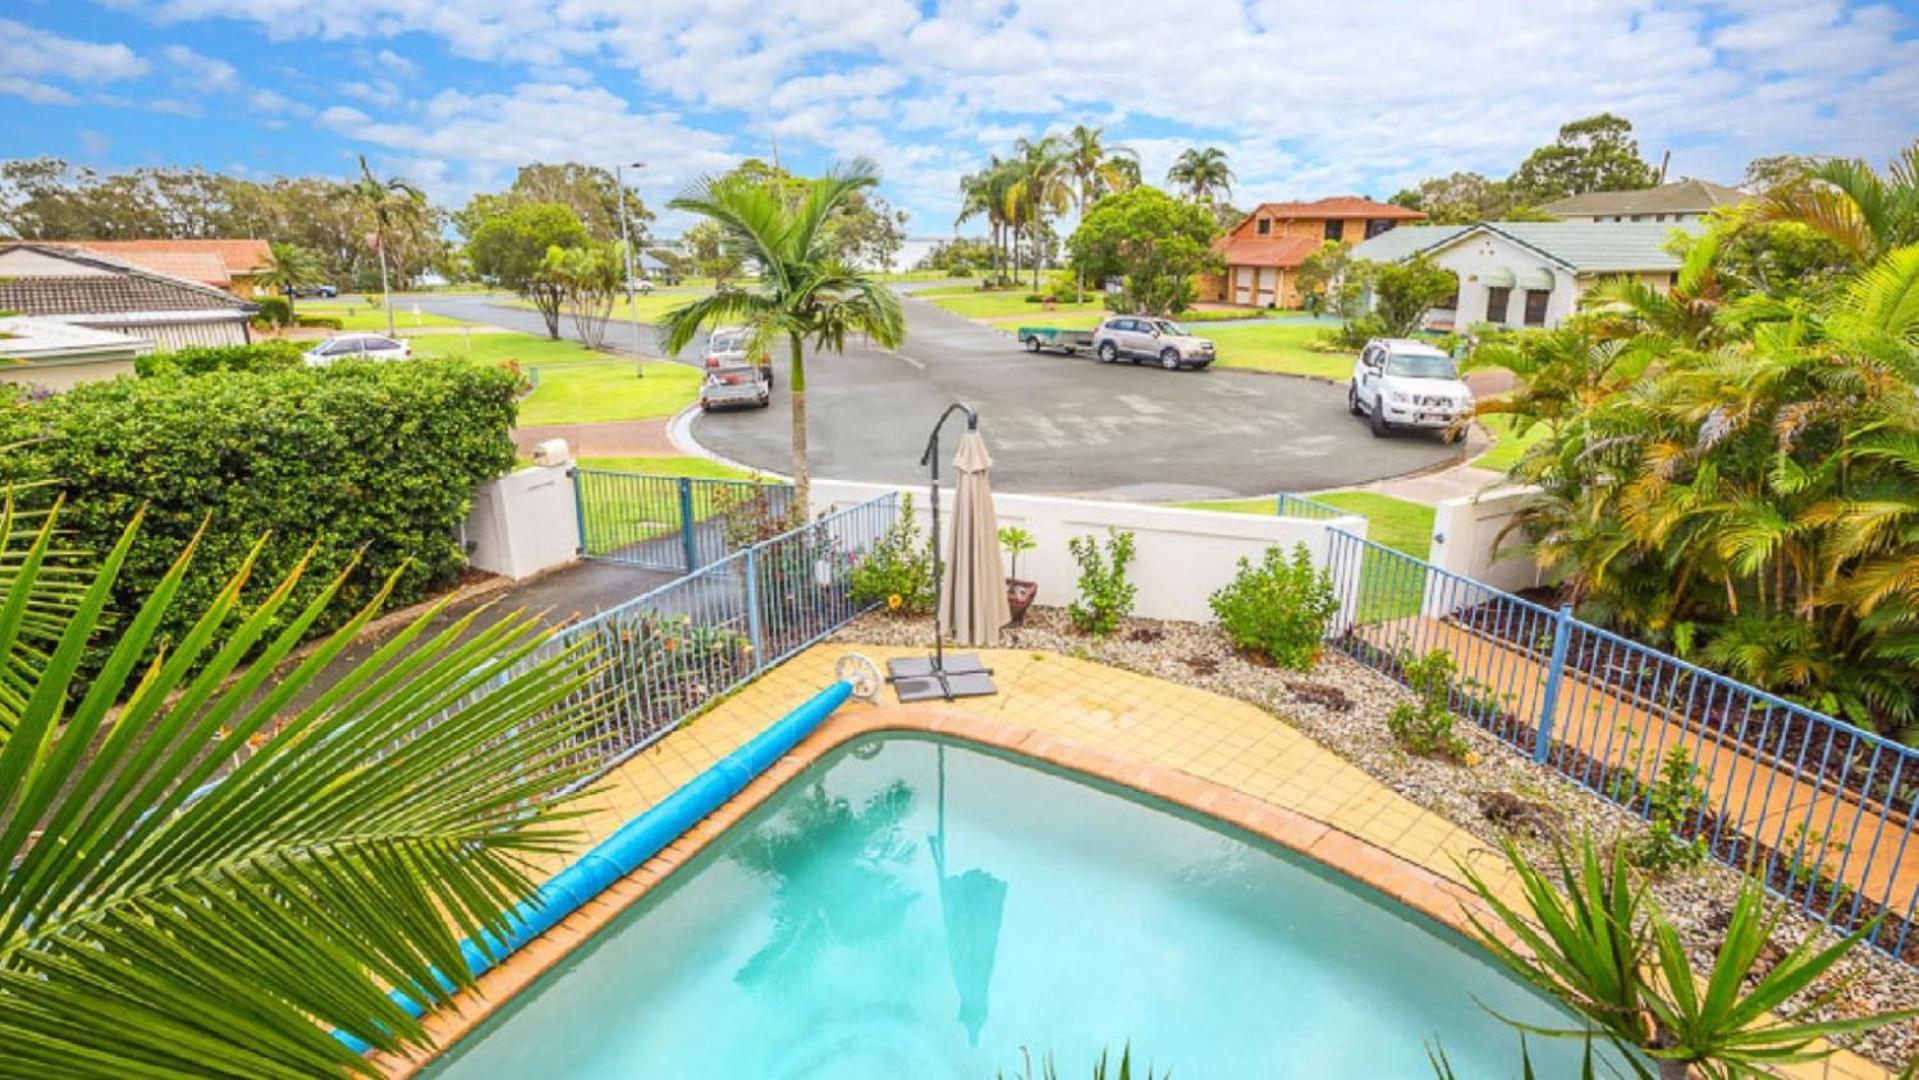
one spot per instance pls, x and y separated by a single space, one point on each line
234 266
1263 252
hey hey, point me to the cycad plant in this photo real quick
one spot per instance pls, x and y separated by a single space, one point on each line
801 293
215 859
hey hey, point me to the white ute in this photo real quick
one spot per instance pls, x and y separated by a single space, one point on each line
1401 383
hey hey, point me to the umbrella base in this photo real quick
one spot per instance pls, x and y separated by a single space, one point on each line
922 678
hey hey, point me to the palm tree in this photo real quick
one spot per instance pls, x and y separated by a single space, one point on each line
293 268
1095 167
983 194
1203 173
208 877
1039 188
802 293
390 202
1864 213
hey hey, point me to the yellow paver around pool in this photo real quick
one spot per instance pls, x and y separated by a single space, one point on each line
1215 754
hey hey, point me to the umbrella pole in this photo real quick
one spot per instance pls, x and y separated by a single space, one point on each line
910 676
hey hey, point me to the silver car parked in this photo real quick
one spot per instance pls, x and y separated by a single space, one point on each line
737 386
1143 337
357 347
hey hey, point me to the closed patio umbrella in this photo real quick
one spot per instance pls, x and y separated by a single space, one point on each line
974 592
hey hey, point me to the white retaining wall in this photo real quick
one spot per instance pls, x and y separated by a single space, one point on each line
524 523
1181 556
1464 533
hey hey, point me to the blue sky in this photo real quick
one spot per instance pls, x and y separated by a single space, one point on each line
1307 98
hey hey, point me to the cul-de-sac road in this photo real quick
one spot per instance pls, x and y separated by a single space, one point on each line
1056 425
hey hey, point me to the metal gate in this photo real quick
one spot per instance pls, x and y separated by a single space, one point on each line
664 522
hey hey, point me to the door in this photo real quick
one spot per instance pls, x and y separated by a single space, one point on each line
1268 286
1242 284
1138 339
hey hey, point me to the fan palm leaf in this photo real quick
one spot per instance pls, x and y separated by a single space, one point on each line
211 874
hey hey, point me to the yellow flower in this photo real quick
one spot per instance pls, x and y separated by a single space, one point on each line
1472 757
894 602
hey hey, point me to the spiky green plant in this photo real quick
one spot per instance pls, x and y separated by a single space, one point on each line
216 858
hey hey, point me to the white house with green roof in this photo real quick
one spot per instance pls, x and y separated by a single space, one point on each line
1531 273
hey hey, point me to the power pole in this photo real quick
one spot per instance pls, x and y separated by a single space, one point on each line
632 301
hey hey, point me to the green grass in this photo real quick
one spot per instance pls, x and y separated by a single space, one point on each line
1279 347
697 467
1387 589
653 308
973 304
1506 452
576 384
371 317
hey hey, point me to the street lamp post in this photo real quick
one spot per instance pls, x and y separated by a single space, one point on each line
632 301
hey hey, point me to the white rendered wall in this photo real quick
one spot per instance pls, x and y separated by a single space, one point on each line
1466 542
1181 556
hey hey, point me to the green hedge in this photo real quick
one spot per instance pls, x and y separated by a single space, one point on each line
320 322
374 458
200 359
274 311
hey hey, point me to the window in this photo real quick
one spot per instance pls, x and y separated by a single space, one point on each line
1265 226
1497 298
341 347
1377 226
1335 230
1451 303
1536 306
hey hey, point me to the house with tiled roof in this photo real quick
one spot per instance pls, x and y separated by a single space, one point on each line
77 285
1686 199
1532 273
1263 253
234 266
59 355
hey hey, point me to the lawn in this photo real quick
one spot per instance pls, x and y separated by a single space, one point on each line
1510 447
697 467
653 308
1010 303
575 385
1389 588
355 315
1282 347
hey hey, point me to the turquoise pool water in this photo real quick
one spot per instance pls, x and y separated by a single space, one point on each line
914 908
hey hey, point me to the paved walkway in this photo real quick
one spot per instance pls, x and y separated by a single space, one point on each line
1765 803
1223 757
614 438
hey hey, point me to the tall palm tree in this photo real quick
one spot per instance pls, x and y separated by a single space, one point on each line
1866 214
159 918
1094 167
293 268
392 203
1203 173
983 194
1039 189
802 292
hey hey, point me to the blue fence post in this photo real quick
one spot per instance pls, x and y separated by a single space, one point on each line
579 508
753 605
688 542
1555 673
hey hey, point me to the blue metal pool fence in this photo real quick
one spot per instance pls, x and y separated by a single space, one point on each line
668 653
1818 810
662 522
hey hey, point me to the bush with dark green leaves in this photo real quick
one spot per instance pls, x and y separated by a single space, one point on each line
1278 609
274 311
258 356
379 459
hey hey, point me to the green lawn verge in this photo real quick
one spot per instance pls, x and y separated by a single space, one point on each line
1389 588
372 317
1279 347
697 467
973 304
1510 447
575 384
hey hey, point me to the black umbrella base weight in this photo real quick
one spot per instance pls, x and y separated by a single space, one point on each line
926 678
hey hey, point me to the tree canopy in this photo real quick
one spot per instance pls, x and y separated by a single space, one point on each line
1152 242
1597 153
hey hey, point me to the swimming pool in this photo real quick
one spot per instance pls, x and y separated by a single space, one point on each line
911 907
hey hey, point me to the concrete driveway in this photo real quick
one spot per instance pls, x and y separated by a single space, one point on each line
1056 425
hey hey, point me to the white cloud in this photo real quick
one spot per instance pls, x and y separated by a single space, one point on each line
1307 98
91 141
199 73
34 62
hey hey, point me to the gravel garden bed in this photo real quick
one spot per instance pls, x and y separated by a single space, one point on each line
1343 705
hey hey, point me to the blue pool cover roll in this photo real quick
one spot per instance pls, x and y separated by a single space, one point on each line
635 842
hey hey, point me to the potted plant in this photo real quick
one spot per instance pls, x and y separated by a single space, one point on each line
1019 594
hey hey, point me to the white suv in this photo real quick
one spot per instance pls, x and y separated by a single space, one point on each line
1402 383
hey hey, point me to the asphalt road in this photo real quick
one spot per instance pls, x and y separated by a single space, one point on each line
1056 425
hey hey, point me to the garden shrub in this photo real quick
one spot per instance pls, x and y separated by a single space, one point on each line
1671 803
274 311
1105 596
258 356
898 572
368 459
320 322
1278 609
1426 727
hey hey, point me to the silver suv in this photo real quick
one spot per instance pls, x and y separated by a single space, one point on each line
1142 337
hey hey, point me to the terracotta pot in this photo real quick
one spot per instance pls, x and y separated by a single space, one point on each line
1019 597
